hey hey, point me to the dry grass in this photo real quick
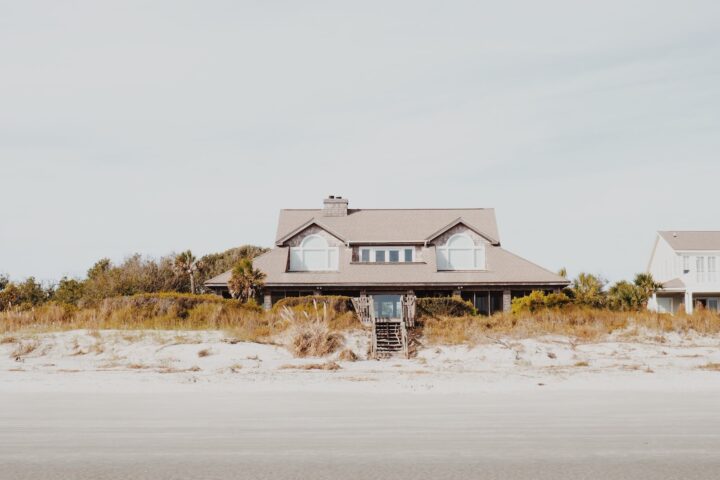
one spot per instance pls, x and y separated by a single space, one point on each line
347 355
311 335
160 312
715 367
314 340
578 323
582 364
205 352
24 348
313 366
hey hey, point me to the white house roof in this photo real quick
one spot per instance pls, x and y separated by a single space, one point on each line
674 284
692 239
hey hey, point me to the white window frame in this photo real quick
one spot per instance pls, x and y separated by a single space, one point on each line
444 254
686 264
700 268
712 268
331 256
373 250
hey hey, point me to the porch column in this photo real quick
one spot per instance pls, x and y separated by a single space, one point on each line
689 306
267 301
653 303
507 301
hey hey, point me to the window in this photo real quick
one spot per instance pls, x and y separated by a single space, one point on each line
387 306
686 264
386 254
460 253
313 254
712 269
700 264
665 305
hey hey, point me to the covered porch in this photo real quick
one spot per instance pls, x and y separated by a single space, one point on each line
672 302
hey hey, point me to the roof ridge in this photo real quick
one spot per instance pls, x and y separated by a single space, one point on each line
387 209
688 231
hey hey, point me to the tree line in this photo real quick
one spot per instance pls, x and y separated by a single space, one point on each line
588 290
183 273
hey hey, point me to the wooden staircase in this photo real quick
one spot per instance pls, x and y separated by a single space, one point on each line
389 335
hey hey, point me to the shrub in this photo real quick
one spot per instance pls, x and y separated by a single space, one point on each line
314 340
444 306
336 303
165 311
538 300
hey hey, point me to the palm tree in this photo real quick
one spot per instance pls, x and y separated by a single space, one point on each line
245 280
626 296
186 264
647 285
587 289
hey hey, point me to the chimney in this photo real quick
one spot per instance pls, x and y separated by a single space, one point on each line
335 206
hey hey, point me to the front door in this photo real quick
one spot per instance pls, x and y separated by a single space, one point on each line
387 306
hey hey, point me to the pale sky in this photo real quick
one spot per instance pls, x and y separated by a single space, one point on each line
153 127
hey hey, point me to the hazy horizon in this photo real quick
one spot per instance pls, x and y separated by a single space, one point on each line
158 127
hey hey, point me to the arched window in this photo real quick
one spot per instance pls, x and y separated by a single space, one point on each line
460 253
313 254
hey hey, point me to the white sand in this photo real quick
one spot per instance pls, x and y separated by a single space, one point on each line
122 361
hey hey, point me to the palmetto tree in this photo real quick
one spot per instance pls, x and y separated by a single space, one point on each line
186 264
245 280
647 285
587 289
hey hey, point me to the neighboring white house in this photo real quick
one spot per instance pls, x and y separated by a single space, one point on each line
686 264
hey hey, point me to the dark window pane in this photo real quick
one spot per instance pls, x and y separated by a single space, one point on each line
365 255
387 306
394 255
496 302
482 303
379 255
408 255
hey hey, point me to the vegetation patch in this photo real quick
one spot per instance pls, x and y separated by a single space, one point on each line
335 303
312 366
314 339
444 307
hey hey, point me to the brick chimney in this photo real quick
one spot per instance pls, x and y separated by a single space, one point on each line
335 206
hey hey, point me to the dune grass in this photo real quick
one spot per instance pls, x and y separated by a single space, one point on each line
583 324
315 328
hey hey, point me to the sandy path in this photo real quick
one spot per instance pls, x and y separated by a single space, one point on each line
536 433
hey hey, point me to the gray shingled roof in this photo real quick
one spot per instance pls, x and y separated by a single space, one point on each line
503 267
692 240
412 226
389 226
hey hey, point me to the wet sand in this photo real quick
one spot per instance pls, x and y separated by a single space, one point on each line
539 434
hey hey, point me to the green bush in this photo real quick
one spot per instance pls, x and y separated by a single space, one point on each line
168 303
538 300
444 306
337 303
